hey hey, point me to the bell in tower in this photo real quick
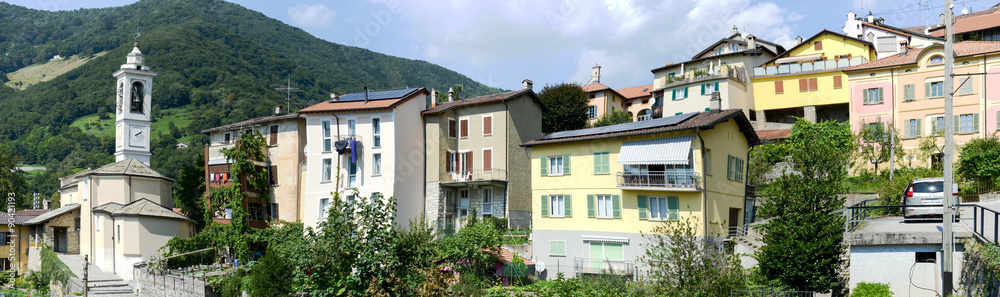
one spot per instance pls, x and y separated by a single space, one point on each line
134 87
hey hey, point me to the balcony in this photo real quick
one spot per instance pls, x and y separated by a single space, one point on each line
660 181
808 66
476 175
604 266
734 73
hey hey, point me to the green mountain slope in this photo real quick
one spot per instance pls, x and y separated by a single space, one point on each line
217 63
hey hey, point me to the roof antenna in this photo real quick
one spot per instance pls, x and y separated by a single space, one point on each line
288 89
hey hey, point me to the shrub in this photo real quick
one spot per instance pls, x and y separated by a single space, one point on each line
871 290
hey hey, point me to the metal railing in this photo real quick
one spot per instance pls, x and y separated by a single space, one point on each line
770 293
475 175
735 73
808 66
604 266
883 209
979 226
660 179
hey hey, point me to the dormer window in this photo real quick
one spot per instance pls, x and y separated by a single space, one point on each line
937 60
734 47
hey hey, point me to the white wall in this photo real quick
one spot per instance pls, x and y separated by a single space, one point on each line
892 264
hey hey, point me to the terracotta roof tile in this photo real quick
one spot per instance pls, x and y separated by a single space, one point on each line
251 122
774 134
636 91
361 105
484 99
507 256
700 120
595 87
965 48
971 23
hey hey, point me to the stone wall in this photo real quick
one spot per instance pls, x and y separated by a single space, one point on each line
68 221
148 284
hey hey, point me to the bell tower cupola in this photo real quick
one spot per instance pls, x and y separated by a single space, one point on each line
133 91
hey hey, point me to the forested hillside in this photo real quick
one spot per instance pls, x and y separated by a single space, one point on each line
217 63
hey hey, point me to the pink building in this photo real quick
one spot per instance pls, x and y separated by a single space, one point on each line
907 90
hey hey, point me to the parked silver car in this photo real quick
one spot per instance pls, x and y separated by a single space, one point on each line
925 197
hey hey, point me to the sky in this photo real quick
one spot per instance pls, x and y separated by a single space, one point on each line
501 42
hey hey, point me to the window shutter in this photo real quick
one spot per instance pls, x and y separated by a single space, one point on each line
597 163
966 88
813 84
803 85
998 119
641 205
673 94
465 128
565 164
468 162
545 206
447 162
673 205
927 90
685 92
919 127
568 201
864 96
616 206
779 87
487 160
703 89
975 120
729 167
487 125
837 82
545 165
957 124
590 206
880 91
819 45
717 87
907 129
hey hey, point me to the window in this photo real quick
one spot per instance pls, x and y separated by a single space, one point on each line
708 161
663 208
604 206
352 128
644 115
376 196
779 87
487 125
734 47
376 164
327 170
557 206
557 248
327 140
487 201
451 128
808 84
818 45
487 160
938 126
97 223
352 174
718 50
556 165
376 132
463 203
602 164
911 128
680 94
707 89
273 174
937 60
605 252
274 135
226 138
967 123
909 92
118 238
934 89
463 127
735 172
838 82
324 206
886 44
591 112
871 96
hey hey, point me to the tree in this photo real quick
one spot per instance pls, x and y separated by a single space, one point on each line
803 238
929 148
763 159
567 105
189 188
681 263
878 143
979 161
11 177
613 118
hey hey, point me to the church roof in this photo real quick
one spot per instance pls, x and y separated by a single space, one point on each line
131 167
22 216
45 217
142 207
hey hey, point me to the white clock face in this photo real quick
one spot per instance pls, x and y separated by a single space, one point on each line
137 135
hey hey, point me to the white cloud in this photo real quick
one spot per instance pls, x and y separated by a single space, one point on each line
626 37
317 15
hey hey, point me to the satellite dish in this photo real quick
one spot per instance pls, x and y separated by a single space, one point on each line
462 95
965 11
539 266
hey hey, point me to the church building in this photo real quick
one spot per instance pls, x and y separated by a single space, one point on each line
121 213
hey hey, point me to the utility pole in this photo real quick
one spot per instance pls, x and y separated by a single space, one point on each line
947 239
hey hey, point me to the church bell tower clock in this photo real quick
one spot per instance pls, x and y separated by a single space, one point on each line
133 91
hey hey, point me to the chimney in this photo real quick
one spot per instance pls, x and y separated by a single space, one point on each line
451 94
735 31
751 42
277 109
902 48
47 203
871 17
528 84
334 97
942 20
366 94
595 75
434 97
798 40
715 104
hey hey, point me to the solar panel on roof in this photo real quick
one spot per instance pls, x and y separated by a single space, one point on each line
661 122
393 94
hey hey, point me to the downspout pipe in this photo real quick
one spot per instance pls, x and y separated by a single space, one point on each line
704 183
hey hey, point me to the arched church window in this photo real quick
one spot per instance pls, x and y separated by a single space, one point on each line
137 96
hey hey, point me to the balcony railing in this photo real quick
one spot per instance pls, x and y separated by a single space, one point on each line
735 73
660 179
808 66
604 266
474 175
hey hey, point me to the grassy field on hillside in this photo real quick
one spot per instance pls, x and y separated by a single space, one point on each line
37 73
106 128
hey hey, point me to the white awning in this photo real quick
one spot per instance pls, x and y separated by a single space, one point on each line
669 151
605 239
802 58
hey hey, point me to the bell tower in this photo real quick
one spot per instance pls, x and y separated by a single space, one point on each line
133 91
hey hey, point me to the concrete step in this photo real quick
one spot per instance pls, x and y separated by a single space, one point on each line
109 285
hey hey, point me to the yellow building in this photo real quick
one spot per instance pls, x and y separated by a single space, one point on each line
588 214
808 80
16 257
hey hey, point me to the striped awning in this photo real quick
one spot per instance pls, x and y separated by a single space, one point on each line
669 151
605 239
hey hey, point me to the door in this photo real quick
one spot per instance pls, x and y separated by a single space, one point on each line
60 240
734 220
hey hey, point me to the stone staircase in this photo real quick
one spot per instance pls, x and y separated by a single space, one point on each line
101 283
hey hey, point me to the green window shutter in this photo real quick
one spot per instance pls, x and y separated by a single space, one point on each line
597 163
956 124
864 96
717 88
673 95
927 90
545 206
919 127
685 92
566 164
708 109
590 206
568 201
616 205
674 206
880 91
545 165
975 120
557 248
703 89
906 129
641 205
